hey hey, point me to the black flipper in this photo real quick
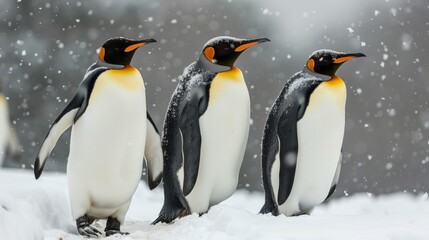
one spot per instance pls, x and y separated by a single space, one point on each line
288 135
153 154
191 135
68 116
331 191
270 146
174 201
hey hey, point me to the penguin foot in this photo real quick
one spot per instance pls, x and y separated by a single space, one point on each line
269 208
89 231
169 217
84 227
113 232
184 213
113 227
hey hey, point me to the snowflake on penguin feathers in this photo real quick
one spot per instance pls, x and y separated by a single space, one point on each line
325 52
190 78
220 39
298 80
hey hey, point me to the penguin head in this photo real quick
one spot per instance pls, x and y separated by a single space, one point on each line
327 62
120 50
225 50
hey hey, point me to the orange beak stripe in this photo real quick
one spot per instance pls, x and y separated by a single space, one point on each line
310 64
343 59
102 53
133 47
245 46
209 53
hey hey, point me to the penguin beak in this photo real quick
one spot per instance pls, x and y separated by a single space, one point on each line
150 40
139 43
348 56
250 43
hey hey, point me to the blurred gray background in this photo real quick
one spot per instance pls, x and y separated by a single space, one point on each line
46 46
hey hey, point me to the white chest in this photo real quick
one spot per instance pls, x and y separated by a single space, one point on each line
116 109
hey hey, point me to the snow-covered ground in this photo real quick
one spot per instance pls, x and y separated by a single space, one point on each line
31 209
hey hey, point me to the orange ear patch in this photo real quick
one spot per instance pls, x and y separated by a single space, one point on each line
310 64
133 47
343 59
102 53
209 53
245 46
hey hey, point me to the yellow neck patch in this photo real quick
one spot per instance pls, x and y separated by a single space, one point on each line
224 80
128 77
233 74
333 90
335 82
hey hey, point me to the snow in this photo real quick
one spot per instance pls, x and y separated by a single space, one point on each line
41 208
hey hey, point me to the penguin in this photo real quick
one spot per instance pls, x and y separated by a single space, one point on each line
9 143
111 135
205 130
303 137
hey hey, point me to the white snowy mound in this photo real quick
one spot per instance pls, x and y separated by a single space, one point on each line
31 209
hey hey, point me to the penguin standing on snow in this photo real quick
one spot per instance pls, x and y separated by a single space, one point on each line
303 136
9 144
206 130
111 134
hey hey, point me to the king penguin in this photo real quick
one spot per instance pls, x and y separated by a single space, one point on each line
9 143
206 130
303 137
111 135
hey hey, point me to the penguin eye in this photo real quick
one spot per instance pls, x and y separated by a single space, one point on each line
321 59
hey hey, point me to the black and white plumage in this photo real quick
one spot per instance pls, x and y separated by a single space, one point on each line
206 130
302 140
111 135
